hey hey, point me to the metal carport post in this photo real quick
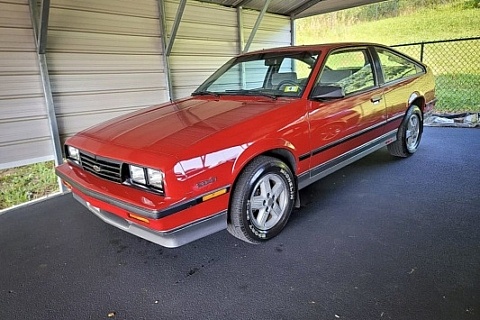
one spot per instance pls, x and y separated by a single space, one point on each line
255 27
168 45
40 28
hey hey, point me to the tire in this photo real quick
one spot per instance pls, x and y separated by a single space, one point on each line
262 200
409 134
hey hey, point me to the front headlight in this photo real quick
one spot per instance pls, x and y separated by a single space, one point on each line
137 174
73 154
155 178
146 177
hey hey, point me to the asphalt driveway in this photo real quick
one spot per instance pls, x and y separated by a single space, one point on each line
384 238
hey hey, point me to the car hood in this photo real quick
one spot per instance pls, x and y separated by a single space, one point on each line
171 128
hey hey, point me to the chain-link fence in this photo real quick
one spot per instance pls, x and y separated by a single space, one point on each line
456 66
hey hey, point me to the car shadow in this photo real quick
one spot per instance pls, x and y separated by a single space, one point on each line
320 194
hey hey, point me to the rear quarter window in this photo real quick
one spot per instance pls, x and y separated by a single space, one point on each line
396 67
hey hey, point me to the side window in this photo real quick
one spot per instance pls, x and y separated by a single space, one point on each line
395 66
351 70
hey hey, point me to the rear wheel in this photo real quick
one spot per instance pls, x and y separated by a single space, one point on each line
409 134
262 200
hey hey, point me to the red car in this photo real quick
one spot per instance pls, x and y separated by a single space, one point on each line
234 154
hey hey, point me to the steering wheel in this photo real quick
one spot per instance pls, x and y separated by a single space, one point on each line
286 83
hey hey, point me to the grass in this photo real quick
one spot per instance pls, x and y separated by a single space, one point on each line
456 65
451 21
457 93
26 183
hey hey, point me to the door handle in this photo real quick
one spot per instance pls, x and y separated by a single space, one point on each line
376 99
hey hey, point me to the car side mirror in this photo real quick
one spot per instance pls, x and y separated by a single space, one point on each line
327 92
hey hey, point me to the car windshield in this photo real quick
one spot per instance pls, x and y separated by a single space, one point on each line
273 75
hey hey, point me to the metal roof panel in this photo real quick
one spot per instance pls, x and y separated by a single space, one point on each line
294 8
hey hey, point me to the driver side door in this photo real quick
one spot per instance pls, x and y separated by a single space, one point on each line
340 127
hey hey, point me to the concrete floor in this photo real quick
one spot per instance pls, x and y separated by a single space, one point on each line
384 238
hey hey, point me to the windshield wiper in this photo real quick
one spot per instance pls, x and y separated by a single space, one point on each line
252 93
205 93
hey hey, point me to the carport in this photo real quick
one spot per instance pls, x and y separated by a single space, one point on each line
363 246
66 65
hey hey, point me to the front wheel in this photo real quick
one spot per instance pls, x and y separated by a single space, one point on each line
262 200
409 134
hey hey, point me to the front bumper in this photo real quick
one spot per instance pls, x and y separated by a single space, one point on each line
171 239
167 224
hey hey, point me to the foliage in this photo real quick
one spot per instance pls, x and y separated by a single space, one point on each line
22 184
412 24
472 4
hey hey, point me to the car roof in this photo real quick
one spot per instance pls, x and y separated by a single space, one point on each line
315 47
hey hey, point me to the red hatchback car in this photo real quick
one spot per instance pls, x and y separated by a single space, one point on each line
234 154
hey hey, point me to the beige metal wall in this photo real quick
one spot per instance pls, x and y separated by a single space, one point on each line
24 133
105 58
274 30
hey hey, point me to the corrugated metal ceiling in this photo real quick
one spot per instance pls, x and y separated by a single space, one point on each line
295 8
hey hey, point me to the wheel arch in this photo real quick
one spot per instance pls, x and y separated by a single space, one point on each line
277 148
285 155
417 99
281 153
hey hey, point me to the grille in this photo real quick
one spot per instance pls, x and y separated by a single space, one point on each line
101 167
